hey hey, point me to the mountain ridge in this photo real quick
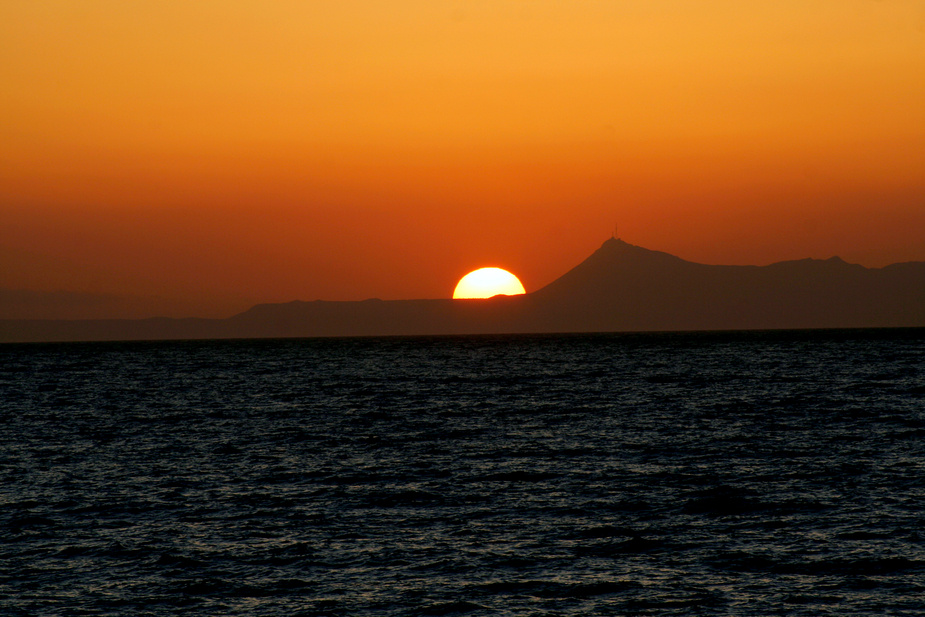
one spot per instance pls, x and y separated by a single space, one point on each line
619 287
634 288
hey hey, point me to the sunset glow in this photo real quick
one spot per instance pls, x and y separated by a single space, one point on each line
206 156
486 283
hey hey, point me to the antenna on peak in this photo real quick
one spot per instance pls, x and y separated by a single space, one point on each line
614 234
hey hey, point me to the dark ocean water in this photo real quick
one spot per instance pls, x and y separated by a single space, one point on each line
777 473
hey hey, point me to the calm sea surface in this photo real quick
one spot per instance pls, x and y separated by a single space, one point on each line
649 474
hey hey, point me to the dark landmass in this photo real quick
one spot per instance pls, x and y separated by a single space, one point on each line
620 287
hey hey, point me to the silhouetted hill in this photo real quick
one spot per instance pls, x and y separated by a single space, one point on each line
626 287
620 287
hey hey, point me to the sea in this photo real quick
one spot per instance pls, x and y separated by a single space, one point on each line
711 473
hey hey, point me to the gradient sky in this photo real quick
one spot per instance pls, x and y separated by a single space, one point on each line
216 154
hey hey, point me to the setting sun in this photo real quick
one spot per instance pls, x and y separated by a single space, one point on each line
488 282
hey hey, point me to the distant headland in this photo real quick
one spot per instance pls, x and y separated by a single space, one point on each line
620 287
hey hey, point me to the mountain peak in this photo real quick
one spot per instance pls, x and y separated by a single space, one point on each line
614 249
645 289
605 267
616 244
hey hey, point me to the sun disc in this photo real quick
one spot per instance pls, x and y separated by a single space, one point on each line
488 282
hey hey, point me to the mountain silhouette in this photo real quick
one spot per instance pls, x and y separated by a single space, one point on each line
620 287
626 287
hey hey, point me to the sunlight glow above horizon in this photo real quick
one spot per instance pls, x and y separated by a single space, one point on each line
221 154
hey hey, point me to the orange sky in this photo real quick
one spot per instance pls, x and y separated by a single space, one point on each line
215 154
